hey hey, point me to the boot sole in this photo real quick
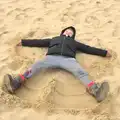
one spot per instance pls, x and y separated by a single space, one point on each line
7 84
103 92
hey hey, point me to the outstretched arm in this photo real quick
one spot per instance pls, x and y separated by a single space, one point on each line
91 50
35 42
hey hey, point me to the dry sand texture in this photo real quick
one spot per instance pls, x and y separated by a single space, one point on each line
56 94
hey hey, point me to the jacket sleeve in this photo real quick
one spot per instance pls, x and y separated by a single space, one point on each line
90 50
36 42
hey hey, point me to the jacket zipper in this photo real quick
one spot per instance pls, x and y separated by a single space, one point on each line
62 45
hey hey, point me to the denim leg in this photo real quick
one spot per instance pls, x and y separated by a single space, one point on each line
48 62
71 65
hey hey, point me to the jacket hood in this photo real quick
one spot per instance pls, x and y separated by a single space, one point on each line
70 27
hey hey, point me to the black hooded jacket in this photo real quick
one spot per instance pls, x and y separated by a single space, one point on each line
62 45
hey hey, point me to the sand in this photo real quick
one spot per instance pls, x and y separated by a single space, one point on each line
56 94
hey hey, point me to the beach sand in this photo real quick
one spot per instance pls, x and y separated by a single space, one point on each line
55 94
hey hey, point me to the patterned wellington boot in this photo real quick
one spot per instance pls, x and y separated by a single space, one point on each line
99 91
11 84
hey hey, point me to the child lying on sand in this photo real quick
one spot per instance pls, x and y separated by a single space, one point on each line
61 54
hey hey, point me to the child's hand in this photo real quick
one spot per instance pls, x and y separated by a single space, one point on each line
19 44
18 47
109 53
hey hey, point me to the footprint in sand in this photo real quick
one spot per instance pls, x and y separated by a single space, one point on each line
14 11
30 34
46 3
21 16
77 6
28 9
38 20
17 13
73 11
92 21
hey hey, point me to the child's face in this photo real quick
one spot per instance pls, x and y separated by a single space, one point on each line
68 32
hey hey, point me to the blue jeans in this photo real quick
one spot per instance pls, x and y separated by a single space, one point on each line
63 62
